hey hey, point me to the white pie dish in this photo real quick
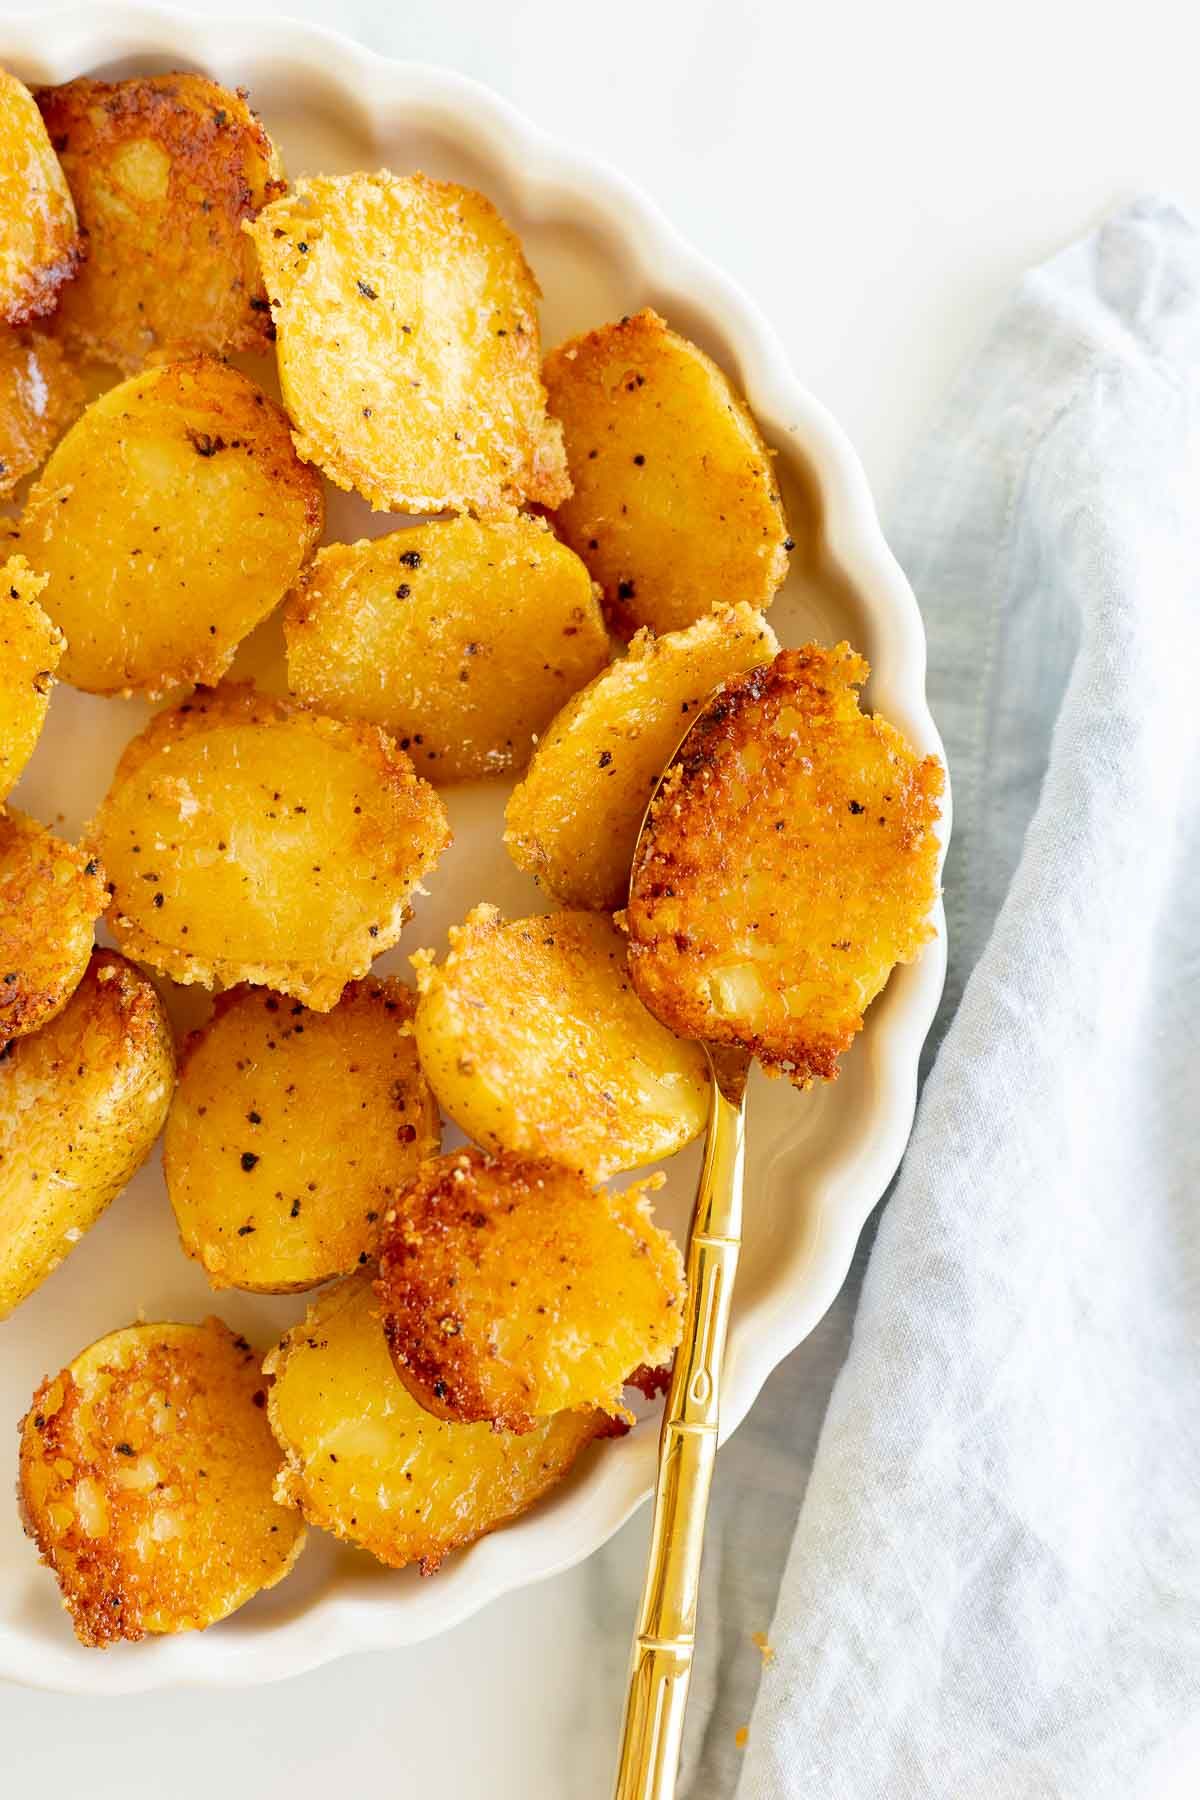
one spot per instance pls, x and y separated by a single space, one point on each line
817 1162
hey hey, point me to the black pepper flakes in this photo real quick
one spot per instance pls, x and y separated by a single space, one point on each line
411 559
366 290
249 1160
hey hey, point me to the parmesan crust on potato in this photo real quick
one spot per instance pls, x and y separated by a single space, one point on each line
675 506
292 1131
30 650
249 840
790 861
511 1289
462 638
40 245
573 821
51 895
533 1040
408 344
81 1103
147 1469
170 520
40 393
364 1461
164 169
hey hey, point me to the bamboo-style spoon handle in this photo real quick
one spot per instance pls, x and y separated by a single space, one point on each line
662 1652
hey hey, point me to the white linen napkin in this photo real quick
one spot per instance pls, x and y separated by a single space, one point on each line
994 1587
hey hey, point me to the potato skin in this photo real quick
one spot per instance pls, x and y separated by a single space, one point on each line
292 1131
675 505
364 1461
461 638
147 1469
30 650
164 169
51 895
408 344
40 245
171 519
533 1040
511 1289
790 861
40 393
573 821
249 840
81 1104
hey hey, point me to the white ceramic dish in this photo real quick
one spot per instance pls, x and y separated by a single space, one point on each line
817 1163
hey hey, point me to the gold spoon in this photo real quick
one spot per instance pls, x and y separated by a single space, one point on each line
666 1626
661 1667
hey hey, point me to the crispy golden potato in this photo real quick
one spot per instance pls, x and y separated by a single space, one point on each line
40 246
171 519
408 344
790 862
40 393
249 840
461 638
512 1289
675 505
367 1463
573 821
81 1103
51 895
147 1469
533 1040
30 649
292 1131
164 169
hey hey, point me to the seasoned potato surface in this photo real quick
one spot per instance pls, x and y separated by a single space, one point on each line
81 1103
248 840
533 1040
573 821
512 1289
674 505
164 169
40 393
791 862
292 1131
147 1469
30 649
367 1463
171 519
408 344
51 895
40 246
461 638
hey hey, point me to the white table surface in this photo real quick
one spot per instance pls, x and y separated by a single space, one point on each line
876 176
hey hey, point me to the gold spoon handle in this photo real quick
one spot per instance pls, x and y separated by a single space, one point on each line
662 1652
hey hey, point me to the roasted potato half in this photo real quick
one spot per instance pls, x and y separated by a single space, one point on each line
40 246
81 1103
789 862
533 1040
364 1461
573 821
40 393
51 895
461 638
147 1474
171 519
292 1131
30 650
164 169
408 344
249 840
512 1289
675 505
